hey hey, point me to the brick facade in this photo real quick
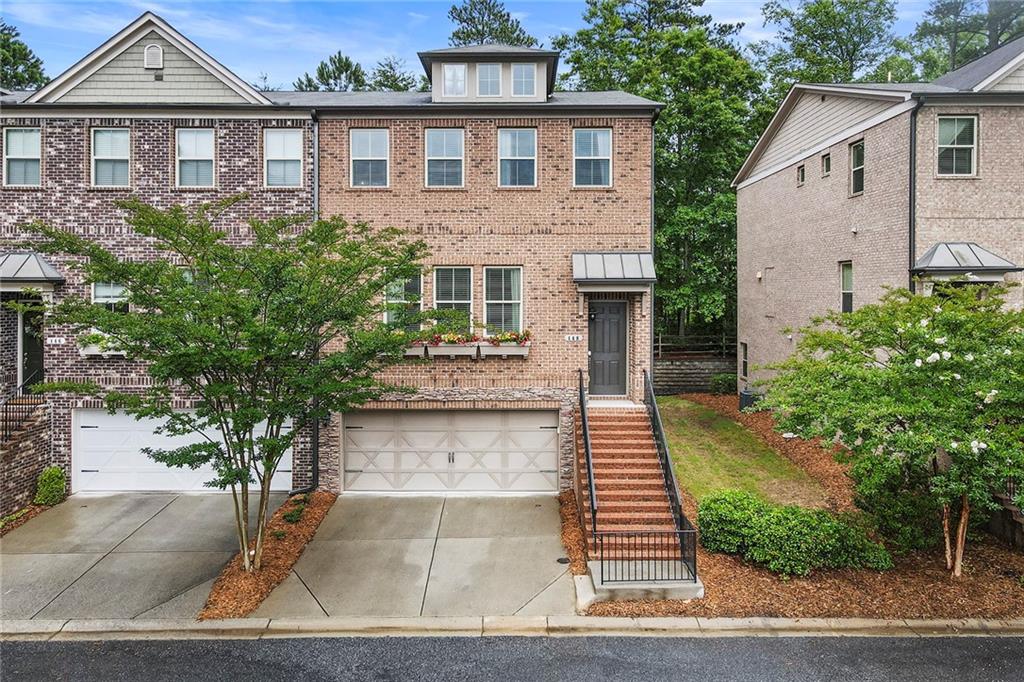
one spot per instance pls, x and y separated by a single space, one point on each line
22 459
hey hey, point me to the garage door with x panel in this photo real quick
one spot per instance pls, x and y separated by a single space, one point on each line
451 450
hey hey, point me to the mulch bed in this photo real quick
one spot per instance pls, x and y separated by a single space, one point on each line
819 463
33 510
236 594
572 533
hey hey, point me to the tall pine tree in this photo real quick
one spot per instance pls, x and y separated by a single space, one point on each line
20 68
487 22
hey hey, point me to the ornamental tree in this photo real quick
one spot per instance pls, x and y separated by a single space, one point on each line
264 337
929 389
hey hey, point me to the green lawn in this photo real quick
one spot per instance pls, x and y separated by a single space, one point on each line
712 452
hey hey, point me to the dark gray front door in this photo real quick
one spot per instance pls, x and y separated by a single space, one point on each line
32 347
607 348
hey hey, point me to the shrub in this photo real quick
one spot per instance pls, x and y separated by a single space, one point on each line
789 540
293 515
887 491
723 384
50 487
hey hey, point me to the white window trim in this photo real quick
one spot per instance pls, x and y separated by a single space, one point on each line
436 288
853 168
388 301
352 160
610 157
37 158
534 157
972 147
512 80
843 264
801 175
744 359
478 79
427 158
302 162
159 60
92 294
465 81
178 159
93 157
826 173
522 291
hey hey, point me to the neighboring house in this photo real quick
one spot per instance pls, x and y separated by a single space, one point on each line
861 186
536 206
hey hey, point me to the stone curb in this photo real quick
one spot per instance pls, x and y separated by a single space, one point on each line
487 626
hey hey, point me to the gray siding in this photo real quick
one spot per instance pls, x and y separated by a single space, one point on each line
437 78
812 121
1012 81
124 79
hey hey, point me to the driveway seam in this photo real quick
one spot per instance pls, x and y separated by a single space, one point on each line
111 551
433 553
311 593
542 591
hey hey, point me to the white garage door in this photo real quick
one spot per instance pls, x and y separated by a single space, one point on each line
107 456
457 450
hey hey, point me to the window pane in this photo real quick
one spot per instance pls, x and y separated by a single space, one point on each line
946 160
371 144
517 142
283 144
502 317
105 291
453 284
847 276
517 172
964 131
503 284
22 172
283 173
195 173
857 181
523 79
195 144
369 173
857 152
111 172
847 303
455 79
592 172
963 161
23 143
444 173
488 80
110 143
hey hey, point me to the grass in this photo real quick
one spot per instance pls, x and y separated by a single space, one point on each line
711 452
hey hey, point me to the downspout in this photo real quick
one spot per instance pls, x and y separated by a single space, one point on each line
912 199
654 119
315 445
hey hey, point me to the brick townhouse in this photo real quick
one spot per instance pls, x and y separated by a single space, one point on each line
536 206
856 187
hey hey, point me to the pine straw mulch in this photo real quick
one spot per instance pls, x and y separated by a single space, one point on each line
572 533
30 512
236 594
819 463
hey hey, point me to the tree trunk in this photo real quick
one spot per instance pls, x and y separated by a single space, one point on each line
946 537
239 524
261 521
961 536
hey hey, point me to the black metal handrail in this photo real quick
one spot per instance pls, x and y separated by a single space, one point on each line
648 555
15 408
585 427
671 486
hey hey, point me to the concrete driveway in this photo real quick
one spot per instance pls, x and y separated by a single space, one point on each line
144 555
430 556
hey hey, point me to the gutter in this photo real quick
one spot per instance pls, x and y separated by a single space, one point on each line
912 198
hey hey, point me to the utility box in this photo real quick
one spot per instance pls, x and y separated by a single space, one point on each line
748 398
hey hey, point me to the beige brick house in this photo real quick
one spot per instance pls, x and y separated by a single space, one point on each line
856 187
536 206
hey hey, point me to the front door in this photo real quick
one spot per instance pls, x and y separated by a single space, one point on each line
31 337
607 348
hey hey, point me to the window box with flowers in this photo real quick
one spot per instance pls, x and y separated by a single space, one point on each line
506 344
453 345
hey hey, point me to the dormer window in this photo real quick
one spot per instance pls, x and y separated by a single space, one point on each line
488 80
153 57
454 80
524 80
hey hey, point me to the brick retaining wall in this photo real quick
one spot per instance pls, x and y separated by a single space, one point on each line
22 459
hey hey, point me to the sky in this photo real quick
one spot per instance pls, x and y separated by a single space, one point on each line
283 38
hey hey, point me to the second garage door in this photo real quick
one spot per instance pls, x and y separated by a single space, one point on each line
452 450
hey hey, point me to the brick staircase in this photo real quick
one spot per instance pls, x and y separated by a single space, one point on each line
628 480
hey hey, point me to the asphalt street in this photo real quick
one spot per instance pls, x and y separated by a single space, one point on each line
509 658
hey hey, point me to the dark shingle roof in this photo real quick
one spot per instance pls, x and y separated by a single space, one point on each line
609 98
968 76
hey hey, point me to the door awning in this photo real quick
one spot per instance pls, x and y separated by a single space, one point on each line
613 271
19 269
961 258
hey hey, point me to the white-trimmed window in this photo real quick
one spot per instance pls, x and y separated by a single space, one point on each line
503 299
524 80
111 296
405 295
743 360
444 157
111 154
517 157
22 153
846 286
857 168
453 289
592 157
153 57
801 175
369 157
195 157
282 157
826 165
488 80
454 84
958 145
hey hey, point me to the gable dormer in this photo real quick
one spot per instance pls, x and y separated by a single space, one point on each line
481 74
148 62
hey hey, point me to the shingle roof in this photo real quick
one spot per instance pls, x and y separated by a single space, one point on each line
25 267
611 98
968 76
613 267
962 257
489 49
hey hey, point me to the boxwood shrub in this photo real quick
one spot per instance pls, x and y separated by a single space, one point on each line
789 540
50 487
723 384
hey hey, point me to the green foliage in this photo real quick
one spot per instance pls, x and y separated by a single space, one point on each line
20 68
11 518
390 76
953 32
487 22
337 73
927 392
279 534
723 384
789 540
667 52
293 515
51 487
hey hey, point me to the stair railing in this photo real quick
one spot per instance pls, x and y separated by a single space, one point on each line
14 408
588 454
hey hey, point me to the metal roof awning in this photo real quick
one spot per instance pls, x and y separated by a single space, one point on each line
21 269
960 258
613 271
